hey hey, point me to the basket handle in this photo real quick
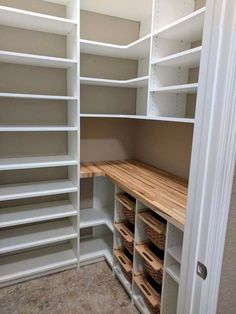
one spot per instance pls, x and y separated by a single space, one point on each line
150 259
153 224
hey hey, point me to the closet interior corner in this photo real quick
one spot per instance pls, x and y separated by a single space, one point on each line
97 102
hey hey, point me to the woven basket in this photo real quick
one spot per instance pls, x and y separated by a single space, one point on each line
127 237
156 275
128 206
125 263
156 229
151 297
129 214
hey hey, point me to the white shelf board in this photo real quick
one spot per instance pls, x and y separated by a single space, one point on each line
35 60
174 272
135 10
185 89
94 217
36 162
93 248
133 83
137 117
126 284
35 96
37 128
188 28
35 21
189 59
35 235
35 189
26 214
134 51
37 261
176 253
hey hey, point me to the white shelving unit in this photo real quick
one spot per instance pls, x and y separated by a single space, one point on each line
39 188
91 217
36 262
28 214
21 238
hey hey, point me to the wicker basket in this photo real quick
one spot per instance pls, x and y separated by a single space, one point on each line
152 264
156 275
128 206
126 235
151 297
125 263
156 230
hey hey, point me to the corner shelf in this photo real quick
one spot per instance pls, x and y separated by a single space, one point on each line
137 117
35 60
35 21
132 83
26 237
34 189
135 50
26 214
189 58
34 262
36 162
188 28
96 248
185 88
94 217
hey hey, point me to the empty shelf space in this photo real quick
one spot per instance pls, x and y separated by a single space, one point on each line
34 189
35 21
35 235
175 252
36 128
36 162
94 217
133 83
36 261
185 88
35 96
188 28
95 248
35 60
135 50
174 271
189 59
25 214
118 116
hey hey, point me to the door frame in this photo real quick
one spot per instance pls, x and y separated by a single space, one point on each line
213 162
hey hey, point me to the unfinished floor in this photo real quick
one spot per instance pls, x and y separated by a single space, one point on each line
92 289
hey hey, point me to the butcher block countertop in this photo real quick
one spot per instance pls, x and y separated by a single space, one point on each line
159 190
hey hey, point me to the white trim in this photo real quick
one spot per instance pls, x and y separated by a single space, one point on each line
213 162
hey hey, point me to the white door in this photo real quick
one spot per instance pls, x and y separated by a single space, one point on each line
213 161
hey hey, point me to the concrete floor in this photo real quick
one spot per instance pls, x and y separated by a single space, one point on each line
93 289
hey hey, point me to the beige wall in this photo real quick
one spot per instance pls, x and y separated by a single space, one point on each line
165 145
227 293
